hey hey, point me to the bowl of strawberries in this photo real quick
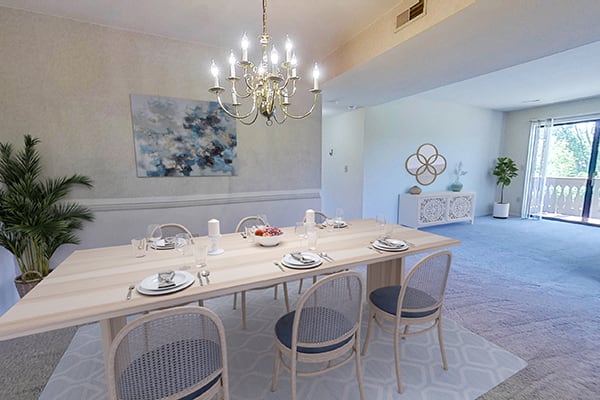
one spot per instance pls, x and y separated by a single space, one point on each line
268 236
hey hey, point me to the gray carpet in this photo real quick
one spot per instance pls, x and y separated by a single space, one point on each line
531 287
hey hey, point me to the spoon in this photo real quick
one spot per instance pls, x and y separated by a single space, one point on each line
205 274
131 287
200 279
325 256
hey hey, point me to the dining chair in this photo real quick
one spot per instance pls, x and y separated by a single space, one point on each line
323 330
172 229
255 220
419 300
178 353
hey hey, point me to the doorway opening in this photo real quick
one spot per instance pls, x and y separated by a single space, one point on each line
563 171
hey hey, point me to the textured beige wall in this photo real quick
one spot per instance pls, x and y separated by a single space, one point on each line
68 83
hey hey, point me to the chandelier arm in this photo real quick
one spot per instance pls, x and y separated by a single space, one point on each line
278 121
315 98
239 95
237 115
249 122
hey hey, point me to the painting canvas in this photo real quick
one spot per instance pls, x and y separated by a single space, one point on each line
179 137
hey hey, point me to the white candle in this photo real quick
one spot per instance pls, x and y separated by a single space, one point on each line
316 77
310 216
288 49
245 48
213 227
232 65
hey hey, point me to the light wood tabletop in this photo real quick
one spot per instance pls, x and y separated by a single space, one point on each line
92 285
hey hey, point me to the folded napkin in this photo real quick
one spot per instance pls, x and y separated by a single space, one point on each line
301 258
389 243
165 279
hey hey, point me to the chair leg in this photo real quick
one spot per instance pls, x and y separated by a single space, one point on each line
285 296
441 340
243 309
359 371
405 332
293 376
397 360
235 300
276 369
368 336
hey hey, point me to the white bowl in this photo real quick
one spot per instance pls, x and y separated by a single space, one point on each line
268 241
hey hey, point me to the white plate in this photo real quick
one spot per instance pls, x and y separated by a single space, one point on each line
160 244
151 282
336 225
399 245
164 291
291 262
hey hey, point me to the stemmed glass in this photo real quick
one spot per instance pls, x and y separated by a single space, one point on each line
153 234
380 221
300 230
339 215
182 240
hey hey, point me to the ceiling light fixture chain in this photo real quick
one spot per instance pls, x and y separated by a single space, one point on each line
270 84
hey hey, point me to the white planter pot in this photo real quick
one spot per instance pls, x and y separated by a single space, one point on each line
501 210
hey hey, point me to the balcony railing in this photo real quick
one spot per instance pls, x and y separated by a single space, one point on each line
564 197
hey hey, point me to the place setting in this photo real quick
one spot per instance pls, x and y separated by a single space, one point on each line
388 244
301 260
165 282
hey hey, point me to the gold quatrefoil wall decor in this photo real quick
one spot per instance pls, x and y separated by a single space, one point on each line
426 164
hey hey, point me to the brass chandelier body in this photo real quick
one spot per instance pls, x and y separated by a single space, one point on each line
268 85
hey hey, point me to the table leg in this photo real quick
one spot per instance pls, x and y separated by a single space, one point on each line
385 273
108 330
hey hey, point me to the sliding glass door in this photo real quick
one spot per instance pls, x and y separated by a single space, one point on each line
563 171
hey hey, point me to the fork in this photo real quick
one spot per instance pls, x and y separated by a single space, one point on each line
279 266
377 250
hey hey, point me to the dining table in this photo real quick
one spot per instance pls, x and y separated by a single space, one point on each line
101 284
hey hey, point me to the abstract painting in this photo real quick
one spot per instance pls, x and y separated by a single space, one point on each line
179 137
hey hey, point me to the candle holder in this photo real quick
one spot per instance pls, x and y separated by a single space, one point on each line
214 249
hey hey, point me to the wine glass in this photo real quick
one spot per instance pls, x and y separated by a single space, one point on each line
380 222
153 234
264 218
300 230
339 215
182 241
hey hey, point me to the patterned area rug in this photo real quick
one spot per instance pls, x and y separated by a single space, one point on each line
475 364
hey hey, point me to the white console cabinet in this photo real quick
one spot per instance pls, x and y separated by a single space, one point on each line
436 208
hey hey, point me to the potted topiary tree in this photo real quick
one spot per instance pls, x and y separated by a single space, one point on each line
34 218
505 170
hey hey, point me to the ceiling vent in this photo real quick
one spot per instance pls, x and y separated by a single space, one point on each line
410 14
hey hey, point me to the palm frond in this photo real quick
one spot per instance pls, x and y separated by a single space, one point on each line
35 220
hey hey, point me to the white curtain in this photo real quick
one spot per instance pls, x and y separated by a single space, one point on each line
535 173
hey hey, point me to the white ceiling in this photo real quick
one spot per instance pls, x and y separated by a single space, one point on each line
498 54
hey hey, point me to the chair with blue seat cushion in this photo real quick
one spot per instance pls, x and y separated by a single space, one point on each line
419 300
178 353
324 330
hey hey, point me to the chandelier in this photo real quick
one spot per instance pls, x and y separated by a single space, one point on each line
268 85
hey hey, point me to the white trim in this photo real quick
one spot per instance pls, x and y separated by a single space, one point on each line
198 200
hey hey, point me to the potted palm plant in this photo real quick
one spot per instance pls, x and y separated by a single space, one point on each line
505 170
35 220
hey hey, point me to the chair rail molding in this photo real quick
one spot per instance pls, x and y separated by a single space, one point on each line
144 203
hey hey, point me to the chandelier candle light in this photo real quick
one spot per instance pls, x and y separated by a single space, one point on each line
269 84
